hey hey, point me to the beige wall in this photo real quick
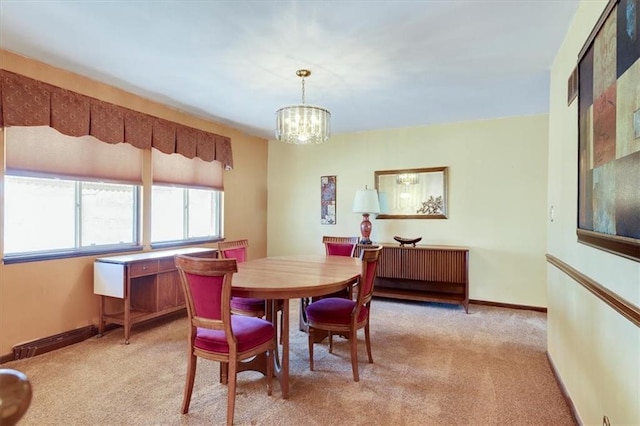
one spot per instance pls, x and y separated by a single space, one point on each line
497 196
594 349
40 299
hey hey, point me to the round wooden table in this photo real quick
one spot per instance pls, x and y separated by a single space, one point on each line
292 277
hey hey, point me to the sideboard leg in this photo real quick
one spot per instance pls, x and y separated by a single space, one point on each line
101 318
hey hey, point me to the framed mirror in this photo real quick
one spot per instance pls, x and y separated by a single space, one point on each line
412 193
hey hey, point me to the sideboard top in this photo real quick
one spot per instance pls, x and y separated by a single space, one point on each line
418 246
150 255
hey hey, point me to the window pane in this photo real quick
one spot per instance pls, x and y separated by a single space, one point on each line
39 214
108 214
202 213
167 213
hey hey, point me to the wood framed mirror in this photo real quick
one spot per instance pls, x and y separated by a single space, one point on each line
412 193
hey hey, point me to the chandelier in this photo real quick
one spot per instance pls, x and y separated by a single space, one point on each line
407 179
303 124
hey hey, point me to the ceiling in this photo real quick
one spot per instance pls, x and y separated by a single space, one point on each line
375 64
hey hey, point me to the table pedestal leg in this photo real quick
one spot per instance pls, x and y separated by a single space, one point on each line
282 363
281 342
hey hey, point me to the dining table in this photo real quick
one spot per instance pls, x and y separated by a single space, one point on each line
279 279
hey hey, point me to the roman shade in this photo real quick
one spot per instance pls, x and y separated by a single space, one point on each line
175 169
40 149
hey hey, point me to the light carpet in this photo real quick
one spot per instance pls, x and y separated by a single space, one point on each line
433 365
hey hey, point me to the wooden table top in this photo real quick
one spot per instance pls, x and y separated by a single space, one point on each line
289 277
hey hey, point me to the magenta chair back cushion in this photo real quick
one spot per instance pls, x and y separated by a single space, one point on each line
207 295
239 254
337 249
369 274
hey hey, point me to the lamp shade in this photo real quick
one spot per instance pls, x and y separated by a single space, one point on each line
366 201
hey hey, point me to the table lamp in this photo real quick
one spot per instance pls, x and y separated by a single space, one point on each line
366 202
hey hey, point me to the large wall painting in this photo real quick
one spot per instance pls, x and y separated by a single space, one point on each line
609 132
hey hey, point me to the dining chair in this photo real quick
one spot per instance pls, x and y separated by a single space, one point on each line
340 246
334 246
247 306
214 333
347 316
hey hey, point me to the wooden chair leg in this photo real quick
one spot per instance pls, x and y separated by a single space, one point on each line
188 387
281 319
330 342
231 396
270 372
310 337
367 339
302 320
354 355
224 373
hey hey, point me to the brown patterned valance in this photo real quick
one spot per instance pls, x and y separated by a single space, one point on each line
28 102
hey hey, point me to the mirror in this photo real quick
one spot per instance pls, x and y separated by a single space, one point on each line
412 193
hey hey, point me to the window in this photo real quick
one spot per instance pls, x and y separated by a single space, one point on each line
51 215
68 196
185 214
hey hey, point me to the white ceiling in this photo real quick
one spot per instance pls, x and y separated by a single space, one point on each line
375 64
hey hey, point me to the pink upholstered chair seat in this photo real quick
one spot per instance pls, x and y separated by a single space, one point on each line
249 331
247 304
334 310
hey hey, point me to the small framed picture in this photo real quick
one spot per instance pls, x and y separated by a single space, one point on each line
328 200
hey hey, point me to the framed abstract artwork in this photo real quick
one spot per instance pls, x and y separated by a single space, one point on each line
328 200
609 132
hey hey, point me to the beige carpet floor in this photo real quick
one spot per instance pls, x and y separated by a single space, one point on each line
433 365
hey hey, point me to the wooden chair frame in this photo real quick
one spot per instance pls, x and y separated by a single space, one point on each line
223 247
304 301
226 268
370 259
326 240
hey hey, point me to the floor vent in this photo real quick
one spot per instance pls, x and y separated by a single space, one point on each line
48 344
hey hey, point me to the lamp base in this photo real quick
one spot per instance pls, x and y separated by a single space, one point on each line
365 229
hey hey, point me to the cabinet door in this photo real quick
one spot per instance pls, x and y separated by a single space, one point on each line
168 290
144 294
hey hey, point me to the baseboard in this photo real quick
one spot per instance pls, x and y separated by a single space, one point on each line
508 305
6 358
563 389
58 341
48 344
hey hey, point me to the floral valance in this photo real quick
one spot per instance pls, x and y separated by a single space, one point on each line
28 102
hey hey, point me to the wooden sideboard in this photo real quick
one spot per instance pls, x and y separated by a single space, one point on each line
148 284
423 273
